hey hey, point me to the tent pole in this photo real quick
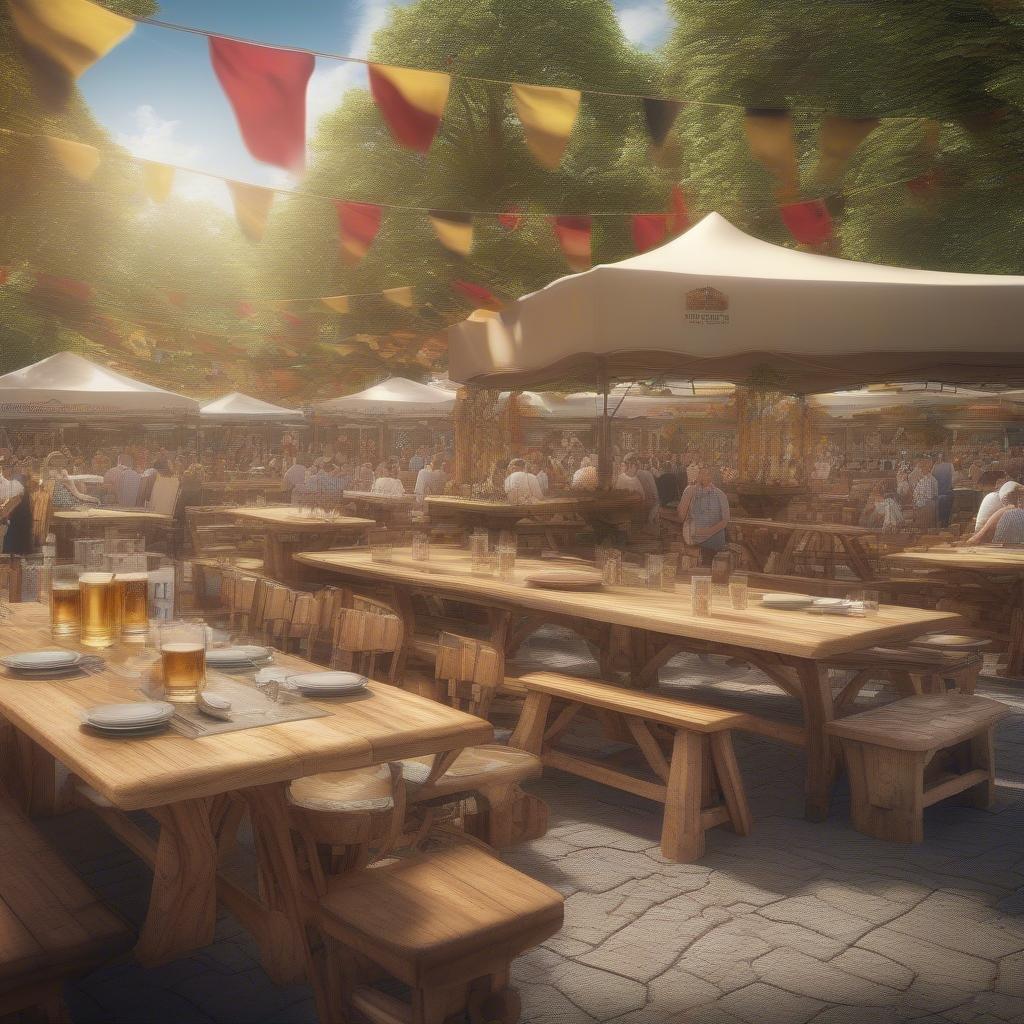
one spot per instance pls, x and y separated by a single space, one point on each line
604 464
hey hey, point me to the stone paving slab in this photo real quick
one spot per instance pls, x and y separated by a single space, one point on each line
796 923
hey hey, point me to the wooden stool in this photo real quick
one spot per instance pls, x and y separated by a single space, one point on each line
447 924
906 756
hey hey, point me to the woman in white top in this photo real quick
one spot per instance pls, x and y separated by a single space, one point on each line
387 482
993 482
521 487
1004 525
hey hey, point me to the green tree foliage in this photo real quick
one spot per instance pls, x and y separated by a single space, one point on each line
479 161
960 63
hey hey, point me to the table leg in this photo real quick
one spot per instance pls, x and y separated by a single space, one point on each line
682 834
816 694
33 776
860 563
183 901
533 720
1015 650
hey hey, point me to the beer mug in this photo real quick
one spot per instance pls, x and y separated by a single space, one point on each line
183 660
132 590
65 602
99 612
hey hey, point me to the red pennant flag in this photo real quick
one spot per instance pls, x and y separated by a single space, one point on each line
245 309
573 234
411 101
679 219
176 298
809 223
512 220
291 317
476 293
5 275
267 89
63 287
649 230
358 224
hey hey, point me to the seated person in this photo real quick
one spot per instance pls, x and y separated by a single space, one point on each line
521 486
883 512
387 482
1006 525
66 494
992 481
629 480
585 478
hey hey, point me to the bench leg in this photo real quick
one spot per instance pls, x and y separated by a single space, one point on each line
529 731
886 791
983 756
682 834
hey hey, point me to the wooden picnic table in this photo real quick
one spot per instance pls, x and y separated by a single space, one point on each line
995 568
286 530
835 542
187 784
641 630
92 521
386 509
247 485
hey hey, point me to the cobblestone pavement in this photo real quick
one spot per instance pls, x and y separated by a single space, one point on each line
797 922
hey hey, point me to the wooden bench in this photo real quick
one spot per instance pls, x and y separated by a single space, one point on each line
908 755
51 925
911 670
447 924
687 746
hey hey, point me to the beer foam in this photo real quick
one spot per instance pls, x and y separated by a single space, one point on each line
181 648
96 577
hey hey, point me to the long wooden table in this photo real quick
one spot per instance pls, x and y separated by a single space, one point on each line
190 785
641 630
834 542
385 508
285 532
70 523
997 568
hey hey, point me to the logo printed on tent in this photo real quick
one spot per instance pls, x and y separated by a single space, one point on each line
706 306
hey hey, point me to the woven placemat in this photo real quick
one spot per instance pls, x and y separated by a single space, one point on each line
250 709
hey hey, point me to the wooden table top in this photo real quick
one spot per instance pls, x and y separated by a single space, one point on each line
836 529
793 633
288 517
385 723
488 506
245 483
113 516
985 557
369 498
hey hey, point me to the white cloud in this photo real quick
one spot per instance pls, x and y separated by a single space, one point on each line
646 23
155 138
332 79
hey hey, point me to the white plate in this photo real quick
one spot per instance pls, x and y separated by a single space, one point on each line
830 602
139 715
786 600
244 654
40 661
328 682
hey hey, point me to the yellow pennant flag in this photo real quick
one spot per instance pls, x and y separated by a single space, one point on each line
454 230
339 303
157 180
402 296
77 158
61 39
837 142
770 134
547 115
252 207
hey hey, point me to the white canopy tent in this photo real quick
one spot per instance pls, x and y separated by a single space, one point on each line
717 303
394 398
237 408
67 387
623 405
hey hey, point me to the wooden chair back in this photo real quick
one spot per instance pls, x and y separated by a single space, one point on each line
238 592
360 640
472 670
145 490
42 509
272 610
164 496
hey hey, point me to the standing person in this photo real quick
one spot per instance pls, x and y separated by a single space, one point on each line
431 479
521 486
295 475
628 480
704 512
650 486
15 511
667 482
418 460
943 473
926 495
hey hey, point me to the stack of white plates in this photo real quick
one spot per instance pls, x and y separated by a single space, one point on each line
786 601
327 684
42 664
130 719
242 656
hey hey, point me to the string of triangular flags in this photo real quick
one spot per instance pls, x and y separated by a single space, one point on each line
266 87
808 221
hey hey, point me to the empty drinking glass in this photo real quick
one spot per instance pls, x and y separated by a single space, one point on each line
420 547
700 595
739 590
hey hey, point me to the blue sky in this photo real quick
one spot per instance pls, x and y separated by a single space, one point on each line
157 95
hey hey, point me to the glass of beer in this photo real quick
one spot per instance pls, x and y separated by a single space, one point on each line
99 608
65 602
132 590
183 660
